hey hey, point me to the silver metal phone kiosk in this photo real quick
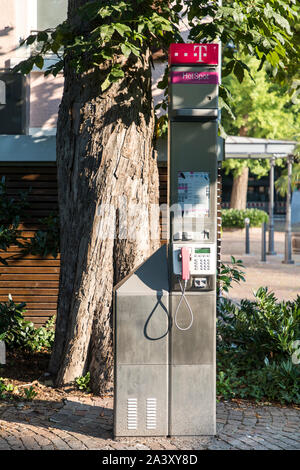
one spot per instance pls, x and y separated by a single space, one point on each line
165 312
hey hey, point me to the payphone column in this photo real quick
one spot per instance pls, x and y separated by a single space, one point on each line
193 131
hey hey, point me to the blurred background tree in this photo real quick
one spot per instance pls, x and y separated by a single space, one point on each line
263 108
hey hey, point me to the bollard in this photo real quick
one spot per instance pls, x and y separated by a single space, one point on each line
2 353
247 227
288 222
263 241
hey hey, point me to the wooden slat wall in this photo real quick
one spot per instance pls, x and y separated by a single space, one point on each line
31 279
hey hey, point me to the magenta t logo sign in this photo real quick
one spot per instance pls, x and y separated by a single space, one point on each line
202 51
193 54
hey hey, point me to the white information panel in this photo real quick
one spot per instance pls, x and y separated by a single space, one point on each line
193 193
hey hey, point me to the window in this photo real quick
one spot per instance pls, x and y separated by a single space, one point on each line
12 103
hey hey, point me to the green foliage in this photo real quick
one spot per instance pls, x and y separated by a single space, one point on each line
274 382
255 29
263 109
11 315
5 389
83 382
107 34
11 210
235 218
45 242
259 166
30 393
263 325
230 273
9 392
281 184
19 333
256 341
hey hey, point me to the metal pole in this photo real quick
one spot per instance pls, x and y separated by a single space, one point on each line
288 226
271 208
263 241
247 241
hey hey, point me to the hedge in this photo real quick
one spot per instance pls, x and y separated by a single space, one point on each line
235 218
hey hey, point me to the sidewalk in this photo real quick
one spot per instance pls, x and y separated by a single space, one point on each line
282 279
87 423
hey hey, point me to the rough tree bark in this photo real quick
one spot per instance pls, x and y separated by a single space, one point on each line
105 158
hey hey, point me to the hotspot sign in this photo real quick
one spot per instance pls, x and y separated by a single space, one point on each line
195 78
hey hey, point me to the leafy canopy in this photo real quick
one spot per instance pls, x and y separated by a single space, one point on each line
262 109
107 34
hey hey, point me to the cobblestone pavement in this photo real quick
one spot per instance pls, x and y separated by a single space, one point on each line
82 424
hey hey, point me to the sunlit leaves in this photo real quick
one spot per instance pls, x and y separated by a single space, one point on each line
114 75
256 28
104 32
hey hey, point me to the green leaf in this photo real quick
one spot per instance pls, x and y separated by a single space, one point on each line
116 72
239 71
224 105
30 40
107 82
42 36
125 50
106 31
228 68
39 61
122 28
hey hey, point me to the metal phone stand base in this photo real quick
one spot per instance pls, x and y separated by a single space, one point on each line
164 377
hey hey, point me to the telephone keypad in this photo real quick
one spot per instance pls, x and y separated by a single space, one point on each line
201 262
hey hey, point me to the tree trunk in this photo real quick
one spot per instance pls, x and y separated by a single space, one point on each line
105 161
239 190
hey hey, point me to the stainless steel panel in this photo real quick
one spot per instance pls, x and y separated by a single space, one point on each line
196 345
141 400
192 400
141 333
141 329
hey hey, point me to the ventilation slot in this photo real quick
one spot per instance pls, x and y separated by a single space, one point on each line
151 413
131 413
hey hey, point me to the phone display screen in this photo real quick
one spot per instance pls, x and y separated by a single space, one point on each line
202 250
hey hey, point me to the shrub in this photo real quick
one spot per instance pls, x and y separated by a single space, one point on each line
235 218
230 273
19 333
5 389
11 315
83 382
255 344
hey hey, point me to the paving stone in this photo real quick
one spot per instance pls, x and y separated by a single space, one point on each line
220 445
88 425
